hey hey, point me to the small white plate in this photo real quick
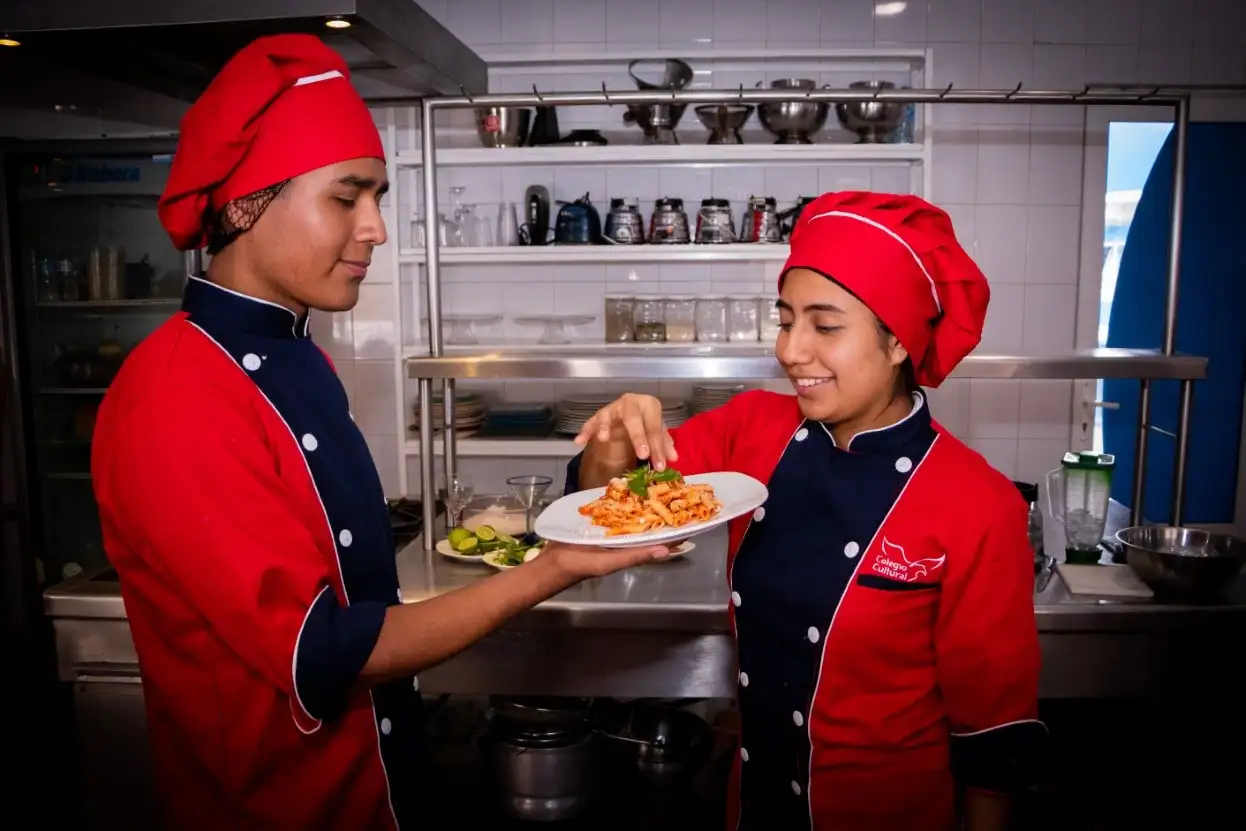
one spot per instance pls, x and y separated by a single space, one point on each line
490 559
562 521
446 550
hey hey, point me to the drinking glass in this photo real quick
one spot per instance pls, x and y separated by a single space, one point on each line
529 490
459 493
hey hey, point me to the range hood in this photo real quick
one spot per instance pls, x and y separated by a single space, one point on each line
171 49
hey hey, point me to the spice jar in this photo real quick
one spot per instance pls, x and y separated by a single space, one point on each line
619 326
712 319
648 320
768 318
742 320
680 317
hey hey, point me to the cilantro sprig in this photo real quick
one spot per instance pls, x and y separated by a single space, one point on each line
639 480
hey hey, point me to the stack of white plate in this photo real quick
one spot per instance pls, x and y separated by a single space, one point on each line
710 396
674 412
573 412
469 414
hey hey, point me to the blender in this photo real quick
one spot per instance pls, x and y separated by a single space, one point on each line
1078 494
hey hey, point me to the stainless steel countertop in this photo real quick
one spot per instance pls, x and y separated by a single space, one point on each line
688 594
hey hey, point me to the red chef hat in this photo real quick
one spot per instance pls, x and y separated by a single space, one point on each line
899 255
281 107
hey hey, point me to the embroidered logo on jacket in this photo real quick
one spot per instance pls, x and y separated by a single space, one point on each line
894 564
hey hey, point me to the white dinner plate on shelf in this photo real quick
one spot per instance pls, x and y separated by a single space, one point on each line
493 557
563 522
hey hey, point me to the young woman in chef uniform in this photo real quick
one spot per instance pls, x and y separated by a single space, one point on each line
881 598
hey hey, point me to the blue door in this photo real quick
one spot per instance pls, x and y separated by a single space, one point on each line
1211 321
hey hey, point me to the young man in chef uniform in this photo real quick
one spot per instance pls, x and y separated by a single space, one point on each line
239 503
882 598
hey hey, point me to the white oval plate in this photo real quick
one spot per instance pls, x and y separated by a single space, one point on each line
562 521
490 559
446 550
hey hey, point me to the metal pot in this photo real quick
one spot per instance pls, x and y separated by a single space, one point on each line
502 126
1182 564
543 759
659 742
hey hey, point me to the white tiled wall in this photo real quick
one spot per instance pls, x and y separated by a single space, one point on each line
1011 176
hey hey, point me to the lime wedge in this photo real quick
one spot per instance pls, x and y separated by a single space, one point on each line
467 546
457 536
506 538
486 533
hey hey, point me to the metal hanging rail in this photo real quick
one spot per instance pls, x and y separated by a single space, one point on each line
1158 96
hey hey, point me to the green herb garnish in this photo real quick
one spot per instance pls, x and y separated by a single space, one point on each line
639 480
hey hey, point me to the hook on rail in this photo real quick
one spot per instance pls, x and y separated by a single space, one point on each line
1085 91
740 96
1015 90
605 94
1147 95
537 93
466 94
943 94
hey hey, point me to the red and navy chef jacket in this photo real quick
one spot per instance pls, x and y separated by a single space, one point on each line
882 604
244 515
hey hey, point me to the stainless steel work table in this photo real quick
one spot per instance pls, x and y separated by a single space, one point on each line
661 630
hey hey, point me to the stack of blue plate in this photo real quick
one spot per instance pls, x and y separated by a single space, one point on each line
519 420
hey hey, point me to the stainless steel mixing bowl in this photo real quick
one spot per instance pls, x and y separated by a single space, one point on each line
795 121
870 120
1182 564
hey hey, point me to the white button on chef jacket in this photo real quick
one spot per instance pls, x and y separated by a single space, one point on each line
309 442
759 515
801 434
813 634
251 361
743 679
904 464
851 550
743 755
386 726
795 787
798 719
735 599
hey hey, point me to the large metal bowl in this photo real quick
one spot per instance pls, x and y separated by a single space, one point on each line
1182 564
870 120
795 121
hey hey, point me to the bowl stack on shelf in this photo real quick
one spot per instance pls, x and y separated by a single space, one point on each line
573 412
469 415
710 396
518 421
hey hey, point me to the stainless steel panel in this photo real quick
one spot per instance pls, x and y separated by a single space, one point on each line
708 363
176 48
116 779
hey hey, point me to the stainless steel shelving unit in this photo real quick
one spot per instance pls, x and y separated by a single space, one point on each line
706 363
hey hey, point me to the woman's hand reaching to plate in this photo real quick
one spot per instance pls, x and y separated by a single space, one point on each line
631 427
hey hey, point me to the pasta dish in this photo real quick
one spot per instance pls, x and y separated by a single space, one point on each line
647 500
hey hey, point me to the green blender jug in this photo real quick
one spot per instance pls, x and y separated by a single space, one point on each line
1078 494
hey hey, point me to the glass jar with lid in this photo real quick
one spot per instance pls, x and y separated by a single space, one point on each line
648 319
742 320
768 318
619 326
680 317
712 319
